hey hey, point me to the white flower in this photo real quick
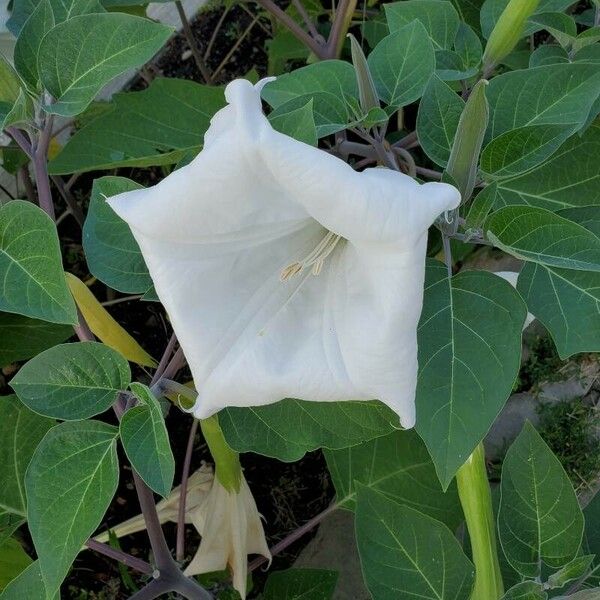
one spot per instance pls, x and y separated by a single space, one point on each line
232 530
285 272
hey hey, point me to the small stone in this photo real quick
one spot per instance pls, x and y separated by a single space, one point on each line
186 54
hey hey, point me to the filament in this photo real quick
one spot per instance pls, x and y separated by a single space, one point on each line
314 259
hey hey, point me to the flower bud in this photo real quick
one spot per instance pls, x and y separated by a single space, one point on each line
507 31
464 157
366 87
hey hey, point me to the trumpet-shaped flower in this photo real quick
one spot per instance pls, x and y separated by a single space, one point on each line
285 272
232 530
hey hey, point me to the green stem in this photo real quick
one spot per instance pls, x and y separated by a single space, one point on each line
476 501
228 469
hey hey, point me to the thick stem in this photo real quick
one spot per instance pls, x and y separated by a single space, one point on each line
339 29
153 590
476 501
40 168
189 36
180 542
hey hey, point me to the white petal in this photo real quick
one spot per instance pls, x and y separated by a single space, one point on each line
217 233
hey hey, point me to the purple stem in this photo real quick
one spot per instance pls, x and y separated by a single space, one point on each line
131 561
293 537
180 543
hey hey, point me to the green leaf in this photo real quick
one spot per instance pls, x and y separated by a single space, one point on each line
567 302
468 46
70 482
562 27
439 18
538 235
469 356
481 206
9 523
492 9
328 83
112 254
156 126
521 149
10 85
298 123
284 47
72 381
539 518
27 48
560 94
570 177
23 337
468 11
78 57
406 554
401 65
398 466
571 571
301 584
28 584
527 590
33 282
289 428
548 54
13 561
146 441
437 120
20 433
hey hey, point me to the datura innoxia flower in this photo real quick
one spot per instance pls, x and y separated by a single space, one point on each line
286 273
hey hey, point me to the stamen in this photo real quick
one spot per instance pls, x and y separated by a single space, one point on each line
315 258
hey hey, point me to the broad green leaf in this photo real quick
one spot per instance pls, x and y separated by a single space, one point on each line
328 83
398 466
548 54
469 356
562 27
401 65
586 38
28 585
146 441
538 235
560 94
13 561
567 302
439 18
22 337
284 47
298 123
31 272
20 433
288 429
78 57
70 482
591 536
468 46
406 554
468 11
112 254
527 590
592 594
27 48
72 381
156 126
539 518
449 66
9 523
437 120
569 178
492 9
571 571
19 111
10 85
521 149
300 584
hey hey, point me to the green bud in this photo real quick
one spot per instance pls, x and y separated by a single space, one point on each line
507 31
366 87
227 462
464 157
